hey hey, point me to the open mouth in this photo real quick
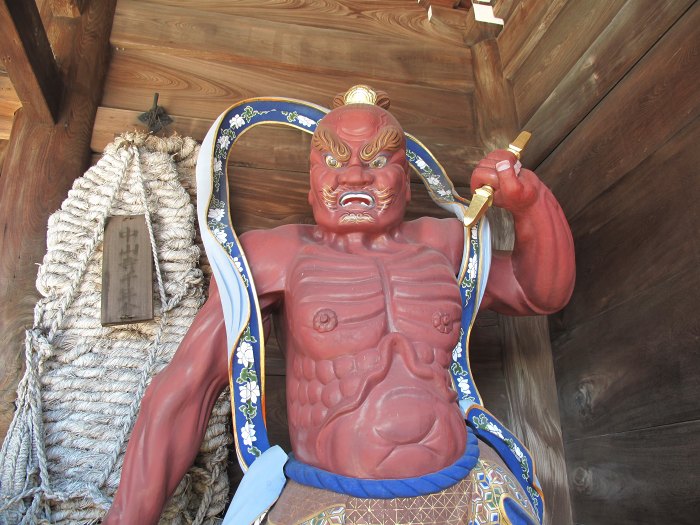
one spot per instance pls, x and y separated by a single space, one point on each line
362 199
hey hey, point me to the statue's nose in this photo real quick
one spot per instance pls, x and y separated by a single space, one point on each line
355 174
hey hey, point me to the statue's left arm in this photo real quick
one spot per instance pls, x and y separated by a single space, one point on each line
537 277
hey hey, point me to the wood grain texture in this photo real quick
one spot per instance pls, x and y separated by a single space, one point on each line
526 24
69 8
127 271
637 233
37 154
633 31
6 126
486 363
9 103
576 27
271 147
29 61
328 50
655 99
534 408
643 477
3 149
397 18
497 124
203 89
635 367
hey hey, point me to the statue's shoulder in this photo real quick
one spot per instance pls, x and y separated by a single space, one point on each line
443 235
280 243
425 229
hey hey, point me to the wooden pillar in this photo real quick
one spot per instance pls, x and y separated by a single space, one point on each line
527 353
29 61
41 162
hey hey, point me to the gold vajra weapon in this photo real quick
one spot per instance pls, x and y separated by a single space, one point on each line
483 197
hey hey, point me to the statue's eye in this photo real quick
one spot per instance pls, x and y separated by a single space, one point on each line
378 162
332 162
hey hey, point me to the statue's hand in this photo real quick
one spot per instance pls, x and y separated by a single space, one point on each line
515 188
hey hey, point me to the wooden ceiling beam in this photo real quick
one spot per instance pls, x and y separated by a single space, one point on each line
68 8
29 60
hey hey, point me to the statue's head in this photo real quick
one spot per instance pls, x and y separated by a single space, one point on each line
359 172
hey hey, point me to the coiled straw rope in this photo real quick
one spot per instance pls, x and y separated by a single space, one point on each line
77 402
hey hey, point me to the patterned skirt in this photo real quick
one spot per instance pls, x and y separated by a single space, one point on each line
489 495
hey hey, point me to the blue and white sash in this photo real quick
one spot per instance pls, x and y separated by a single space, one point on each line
246 350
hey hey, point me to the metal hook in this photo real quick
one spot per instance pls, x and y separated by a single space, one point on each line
155 118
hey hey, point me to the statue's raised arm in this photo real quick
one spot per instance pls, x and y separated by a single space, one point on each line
537 277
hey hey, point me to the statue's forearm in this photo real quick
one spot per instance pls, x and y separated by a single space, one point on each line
543 255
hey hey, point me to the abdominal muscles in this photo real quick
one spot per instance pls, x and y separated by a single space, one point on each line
397 416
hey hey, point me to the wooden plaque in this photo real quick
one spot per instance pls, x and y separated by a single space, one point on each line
127 271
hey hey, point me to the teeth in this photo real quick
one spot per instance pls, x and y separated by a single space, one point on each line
362 199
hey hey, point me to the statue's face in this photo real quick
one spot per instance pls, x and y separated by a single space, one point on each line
359 172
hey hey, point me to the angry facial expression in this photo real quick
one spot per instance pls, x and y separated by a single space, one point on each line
359 173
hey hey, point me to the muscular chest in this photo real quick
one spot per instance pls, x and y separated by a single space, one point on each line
339 303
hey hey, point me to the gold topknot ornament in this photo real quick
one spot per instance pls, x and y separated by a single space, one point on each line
362 94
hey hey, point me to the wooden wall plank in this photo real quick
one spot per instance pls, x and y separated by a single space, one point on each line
202 89
635 367
526 24
637 233
271 147
29 60
633 31
232 38
37 154
111 122
397 18
569 36
646 476
657 97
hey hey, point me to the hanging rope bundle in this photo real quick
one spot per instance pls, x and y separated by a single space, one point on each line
83 385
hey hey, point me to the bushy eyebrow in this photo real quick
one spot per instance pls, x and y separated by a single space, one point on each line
325 140
389 139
